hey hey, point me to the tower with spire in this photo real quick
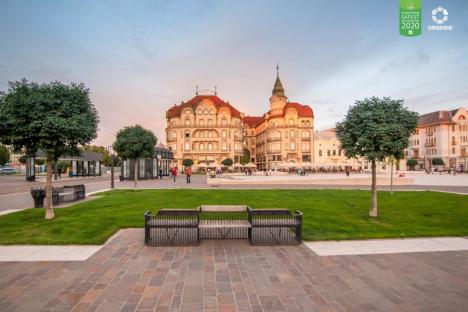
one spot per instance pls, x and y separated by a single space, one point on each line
278 98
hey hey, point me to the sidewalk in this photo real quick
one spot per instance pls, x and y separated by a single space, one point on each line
387 246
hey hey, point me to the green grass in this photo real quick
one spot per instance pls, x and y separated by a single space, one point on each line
328 214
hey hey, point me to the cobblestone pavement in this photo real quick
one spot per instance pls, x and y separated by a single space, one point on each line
223 275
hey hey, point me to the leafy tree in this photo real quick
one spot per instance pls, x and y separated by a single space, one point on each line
376 128
412 163
227 162
53 117
63 165
187 162
135 142
4 155
245 159
437 162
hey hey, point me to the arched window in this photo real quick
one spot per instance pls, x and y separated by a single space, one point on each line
202 146
187 122
224 134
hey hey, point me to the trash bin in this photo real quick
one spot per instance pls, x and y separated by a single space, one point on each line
38 195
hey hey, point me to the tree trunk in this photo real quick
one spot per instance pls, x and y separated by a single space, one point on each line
391 176
135 176
49 210
373 211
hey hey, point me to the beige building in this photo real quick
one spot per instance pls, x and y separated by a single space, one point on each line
328 153
205 129
441 134
282 135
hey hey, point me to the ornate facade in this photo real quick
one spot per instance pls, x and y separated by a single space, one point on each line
282 135
205 129
441 134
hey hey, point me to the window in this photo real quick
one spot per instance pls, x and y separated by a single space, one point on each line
224 134
293 133
187 146
328 152
210 146
291 122
210 122
187 134
293 146
202 122
224 146
334 152
202 146
187 122
320 153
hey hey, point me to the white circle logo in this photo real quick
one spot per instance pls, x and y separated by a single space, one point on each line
443 17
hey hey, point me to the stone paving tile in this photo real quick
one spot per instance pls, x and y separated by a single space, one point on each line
228 275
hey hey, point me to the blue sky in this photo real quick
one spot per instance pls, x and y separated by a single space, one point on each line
141 57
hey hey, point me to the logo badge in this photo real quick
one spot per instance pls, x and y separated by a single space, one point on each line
410 17
440 17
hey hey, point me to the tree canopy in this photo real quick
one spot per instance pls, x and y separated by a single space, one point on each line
227 162
187 162
4 155
412 163
54 117
135 142
438 162
376 128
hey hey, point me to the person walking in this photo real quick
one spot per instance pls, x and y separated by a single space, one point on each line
188 174
160 174
59 173
174 173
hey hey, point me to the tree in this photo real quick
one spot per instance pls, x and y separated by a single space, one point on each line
376 128
4 155
135 142
437 162
245 159
53 117
187 162
227 162
412 163
106 160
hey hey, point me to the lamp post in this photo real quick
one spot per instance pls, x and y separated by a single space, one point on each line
111 154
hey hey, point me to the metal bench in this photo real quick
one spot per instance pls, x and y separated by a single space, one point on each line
171 227
188 226
68 193
275 227
223 222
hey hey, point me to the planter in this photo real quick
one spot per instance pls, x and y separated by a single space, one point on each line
38 195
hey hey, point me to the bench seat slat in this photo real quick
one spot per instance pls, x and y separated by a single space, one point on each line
215 224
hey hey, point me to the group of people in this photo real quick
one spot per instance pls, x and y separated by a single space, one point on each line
188 174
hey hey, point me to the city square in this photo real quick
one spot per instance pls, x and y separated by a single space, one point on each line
233 156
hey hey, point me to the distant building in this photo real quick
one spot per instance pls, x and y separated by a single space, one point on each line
441 134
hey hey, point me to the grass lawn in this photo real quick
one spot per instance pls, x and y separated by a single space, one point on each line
328 214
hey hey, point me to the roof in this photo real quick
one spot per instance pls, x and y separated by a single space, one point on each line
252 121
177 109
302 110
436 117
87 156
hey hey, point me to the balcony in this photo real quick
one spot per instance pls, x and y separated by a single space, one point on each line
274 139
305 138
429 144
454 142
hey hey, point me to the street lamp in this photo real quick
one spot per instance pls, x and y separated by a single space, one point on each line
111 154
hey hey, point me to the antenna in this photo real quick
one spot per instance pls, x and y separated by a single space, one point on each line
216 91
196 90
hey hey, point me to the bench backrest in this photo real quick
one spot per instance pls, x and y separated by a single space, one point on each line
223 212
220 208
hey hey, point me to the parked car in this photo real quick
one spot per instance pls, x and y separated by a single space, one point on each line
7 171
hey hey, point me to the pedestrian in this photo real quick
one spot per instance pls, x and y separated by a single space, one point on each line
174 173
59 173
188 174
160 174
347 172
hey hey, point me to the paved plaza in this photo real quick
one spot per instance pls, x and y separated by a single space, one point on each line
231 275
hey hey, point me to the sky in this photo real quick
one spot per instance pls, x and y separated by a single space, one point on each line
139 58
